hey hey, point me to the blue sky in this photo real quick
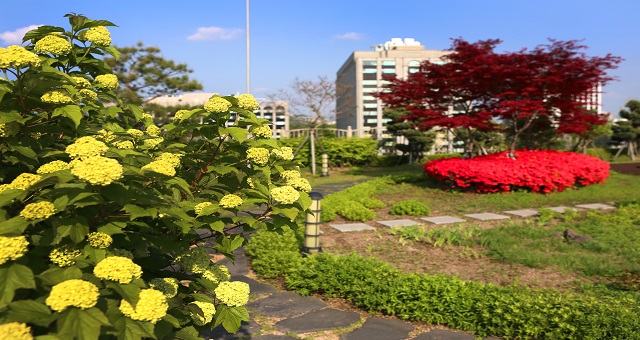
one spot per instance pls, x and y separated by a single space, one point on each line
311 38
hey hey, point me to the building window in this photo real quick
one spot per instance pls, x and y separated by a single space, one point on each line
414 66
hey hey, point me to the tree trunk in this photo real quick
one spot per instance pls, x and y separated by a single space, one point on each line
518 132
469 146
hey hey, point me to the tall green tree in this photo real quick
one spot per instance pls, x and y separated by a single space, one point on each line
628 131
145 75
418 141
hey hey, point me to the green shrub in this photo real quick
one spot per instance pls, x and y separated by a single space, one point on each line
274 254
440 156
411 208
511 312
341 151
354 203
102 210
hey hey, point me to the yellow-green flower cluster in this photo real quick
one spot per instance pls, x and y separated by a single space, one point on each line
161 167
258 156
53 44
56 97
86 146
81 82
24 181
172 158
195 260
99 240
87 94
208 310
97 170
38 210
167 285
64 257
109 81
98 35
217 104
16 331
126 144
230 201
152 306
300 184
151 143
232 294
178 116
216 273
12 247
263 131
105 135
289 175
117 268
135 133
73 293
9 129
53 166
146 116
153 130
200 206
17 57
285 194
285 153
247 101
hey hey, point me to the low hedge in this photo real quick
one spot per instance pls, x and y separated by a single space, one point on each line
354 203
514 312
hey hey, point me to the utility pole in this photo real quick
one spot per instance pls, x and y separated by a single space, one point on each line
248 53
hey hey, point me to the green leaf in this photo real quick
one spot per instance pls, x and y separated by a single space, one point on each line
237 133
41 31
129 292
81 323
76 232
25 151
231 317
11 116
14 276
227 244
54 276
9 195
14 226
222 169
112 111
291 213
113 51
96 23
72 112
136 211
188 333
29 311
304 200
181 184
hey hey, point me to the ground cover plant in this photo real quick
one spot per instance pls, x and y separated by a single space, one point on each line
542 171
105 217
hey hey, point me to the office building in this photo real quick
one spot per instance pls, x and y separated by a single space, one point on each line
361 76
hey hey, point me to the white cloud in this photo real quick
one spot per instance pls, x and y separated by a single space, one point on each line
15 37
350 36
216 33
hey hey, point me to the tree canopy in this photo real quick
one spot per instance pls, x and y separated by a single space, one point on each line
476 84
145 75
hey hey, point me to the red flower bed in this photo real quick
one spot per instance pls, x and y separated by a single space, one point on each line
538 171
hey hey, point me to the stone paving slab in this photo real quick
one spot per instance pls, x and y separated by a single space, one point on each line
595 206
398 223
318 320
487 216
255 287
380 329
351 227
522 212
285 305
240 264
561 209
441 334
246 329
443 219
271 337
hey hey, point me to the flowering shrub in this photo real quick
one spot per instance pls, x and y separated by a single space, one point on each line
104 215
538 171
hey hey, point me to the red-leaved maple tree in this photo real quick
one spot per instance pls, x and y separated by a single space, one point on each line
476 86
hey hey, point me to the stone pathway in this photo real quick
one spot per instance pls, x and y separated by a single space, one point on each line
523 213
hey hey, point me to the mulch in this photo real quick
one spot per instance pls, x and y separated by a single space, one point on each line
626 168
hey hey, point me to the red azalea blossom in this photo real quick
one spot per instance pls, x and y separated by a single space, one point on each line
542 171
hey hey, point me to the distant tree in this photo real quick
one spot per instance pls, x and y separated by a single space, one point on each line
418 141
145 75
627 131
475 85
